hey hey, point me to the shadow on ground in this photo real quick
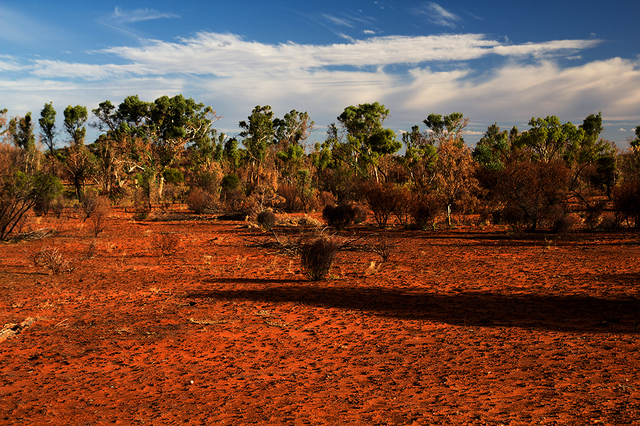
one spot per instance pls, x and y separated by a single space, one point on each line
559 313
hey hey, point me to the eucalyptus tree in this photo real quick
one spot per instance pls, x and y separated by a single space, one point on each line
47 124
366 138
79 161
290 134
548 139
150 136
21 132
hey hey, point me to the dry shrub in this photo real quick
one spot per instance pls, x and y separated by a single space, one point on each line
317 257
266 219
51 259
165 243
200 201
383 246
405 205
532 191
325 198
91 251
291 199
566 223
98 218
57 207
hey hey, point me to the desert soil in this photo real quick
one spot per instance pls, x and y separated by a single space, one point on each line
460 326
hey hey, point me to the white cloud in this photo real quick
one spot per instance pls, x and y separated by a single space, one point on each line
137 15
622 129
233 75
439 15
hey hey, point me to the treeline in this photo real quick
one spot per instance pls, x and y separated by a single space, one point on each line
553 176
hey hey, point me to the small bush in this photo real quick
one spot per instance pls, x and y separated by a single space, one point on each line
266 219
425 208
165 244
57 207
173 176
383 246
99 213
51 259
340 216
230 182
383 200
200 201
317 257
626 200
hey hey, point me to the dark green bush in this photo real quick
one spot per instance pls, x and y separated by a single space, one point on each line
173 176
340 216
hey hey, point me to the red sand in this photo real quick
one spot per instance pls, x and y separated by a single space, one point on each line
463 326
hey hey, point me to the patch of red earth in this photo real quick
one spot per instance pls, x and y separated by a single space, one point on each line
463 326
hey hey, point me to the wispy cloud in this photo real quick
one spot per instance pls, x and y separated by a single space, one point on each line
345 22
438 15
122 16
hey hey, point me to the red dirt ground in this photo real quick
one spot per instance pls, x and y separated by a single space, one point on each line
463 326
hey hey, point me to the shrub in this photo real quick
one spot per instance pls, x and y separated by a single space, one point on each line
425 208
383 246
533 189
207 181
230 182
340 216
266 219
383 200
173 176
165 243
99 215
200 201
404 207
317 257
51 259
626 201
19 192
291 200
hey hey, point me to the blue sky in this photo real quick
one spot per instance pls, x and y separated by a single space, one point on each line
494 61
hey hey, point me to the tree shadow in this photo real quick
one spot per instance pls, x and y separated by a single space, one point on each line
557 313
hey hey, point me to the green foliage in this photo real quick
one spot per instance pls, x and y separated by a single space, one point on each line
75 118
367 139
173 176
549 140
230 182
635 143
258 132
450 126
47 123
493 148
19 192
21 131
